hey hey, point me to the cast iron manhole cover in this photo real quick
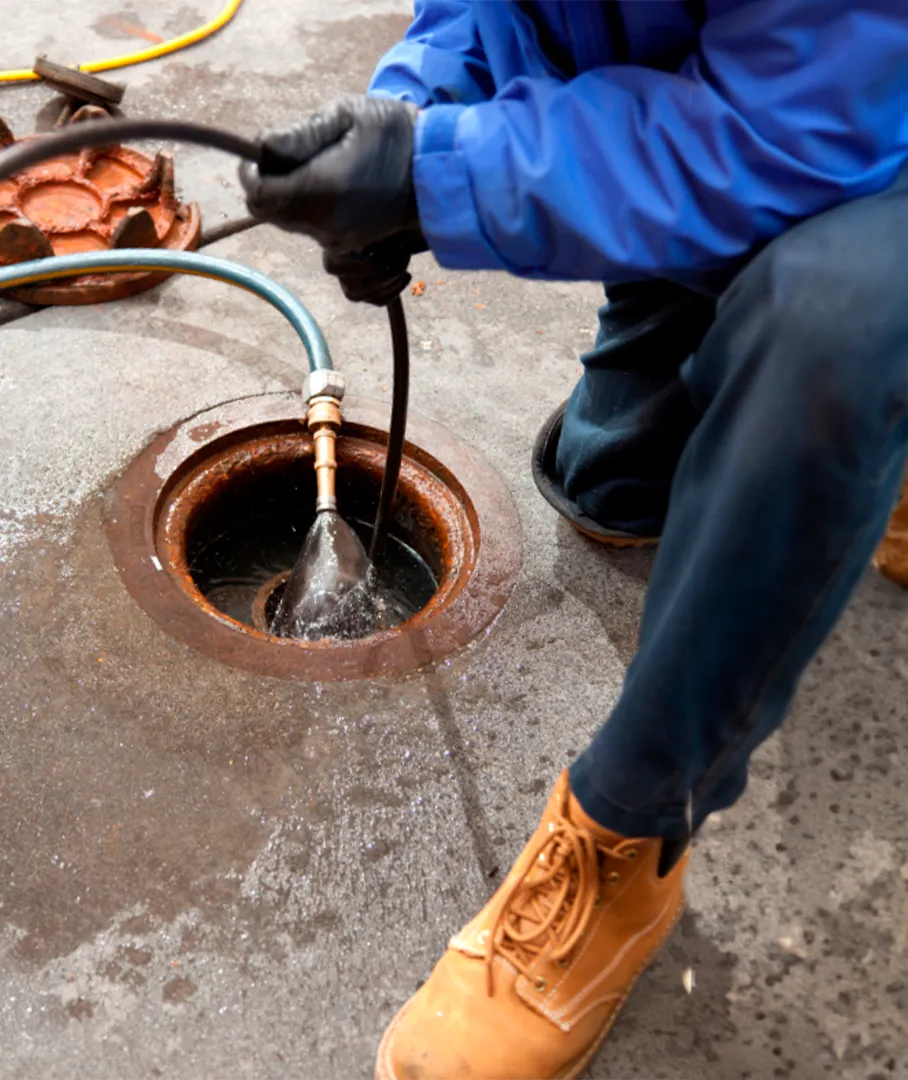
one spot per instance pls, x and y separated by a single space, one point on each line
113 197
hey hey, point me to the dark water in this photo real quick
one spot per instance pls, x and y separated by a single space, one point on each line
232 566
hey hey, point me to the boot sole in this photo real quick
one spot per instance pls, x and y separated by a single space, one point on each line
615 541
576 1067
543 469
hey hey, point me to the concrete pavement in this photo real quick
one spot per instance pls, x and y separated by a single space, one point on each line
208 874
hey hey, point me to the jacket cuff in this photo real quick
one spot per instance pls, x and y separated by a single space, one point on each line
444 191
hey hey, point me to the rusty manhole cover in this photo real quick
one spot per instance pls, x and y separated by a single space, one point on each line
114 197
208 519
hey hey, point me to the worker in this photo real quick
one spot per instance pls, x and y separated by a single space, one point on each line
732 170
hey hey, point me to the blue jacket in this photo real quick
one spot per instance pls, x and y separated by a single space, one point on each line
622 140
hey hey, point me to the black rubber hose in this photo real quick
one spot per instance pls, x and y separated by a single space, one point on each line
22 155
31 152
397 431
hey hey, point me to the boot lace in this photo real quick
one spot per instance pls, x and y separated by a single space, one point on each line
549 908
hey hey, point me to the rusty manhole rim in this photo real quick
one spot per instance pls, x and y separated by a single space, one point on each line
194 484
469 604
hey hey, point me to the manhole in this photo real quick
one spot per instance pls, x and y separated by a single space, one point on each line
99 199
207 521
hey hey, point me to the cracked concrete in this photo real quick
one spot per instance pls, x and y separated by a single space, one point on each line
209 874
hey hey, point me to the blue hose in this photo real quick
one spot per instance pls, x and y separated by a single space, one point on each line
180 262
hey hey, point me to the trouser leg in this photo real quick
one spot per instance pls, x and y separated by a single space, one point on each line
781 494
630 414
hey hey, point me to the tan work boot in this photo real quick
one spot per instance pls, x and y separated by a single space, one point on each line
892 554
530 989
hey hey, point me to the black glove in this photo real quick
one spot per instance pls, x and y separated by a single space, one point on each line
378 274
343 177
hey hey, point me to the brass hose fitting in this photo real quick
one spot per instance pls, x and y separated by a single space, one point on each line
324 420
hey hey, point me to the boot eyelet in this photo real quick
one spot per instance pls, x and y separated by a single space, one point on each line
631 854
564 963
614 878
540 985
597 902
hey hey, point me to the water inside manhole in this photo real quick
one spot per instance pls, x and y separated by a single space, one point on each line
208 520
243 543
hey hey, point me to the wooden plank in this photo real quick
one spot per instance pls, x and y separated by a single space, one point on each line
79 84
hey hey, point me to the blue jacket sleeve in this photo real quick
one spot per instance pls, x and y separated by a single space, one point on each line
440 60
787 108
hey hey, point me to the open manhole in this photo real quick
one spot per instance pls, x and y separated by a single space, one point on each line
207 521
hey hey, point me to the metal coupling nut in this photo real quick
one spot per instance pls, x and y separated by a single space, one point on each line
323 383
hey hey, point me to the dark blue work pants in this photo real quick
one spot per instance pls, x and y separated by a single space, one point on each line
764 437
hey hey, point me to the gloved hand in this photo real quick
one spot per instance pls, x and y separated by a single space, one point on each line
343 177
378 274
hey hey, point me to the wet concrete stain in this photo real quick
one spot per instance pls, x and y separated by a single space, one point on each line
466 781
80 1009
138 777
177 991
158 770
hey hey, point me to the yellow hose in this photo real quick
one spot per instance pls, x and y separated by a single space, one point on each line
140 57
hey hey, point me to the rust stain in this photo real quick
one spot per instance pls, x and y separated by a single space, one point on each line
120 26
203 432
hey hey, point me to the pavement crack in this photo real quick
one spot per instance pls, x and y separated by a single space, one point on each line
477 822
